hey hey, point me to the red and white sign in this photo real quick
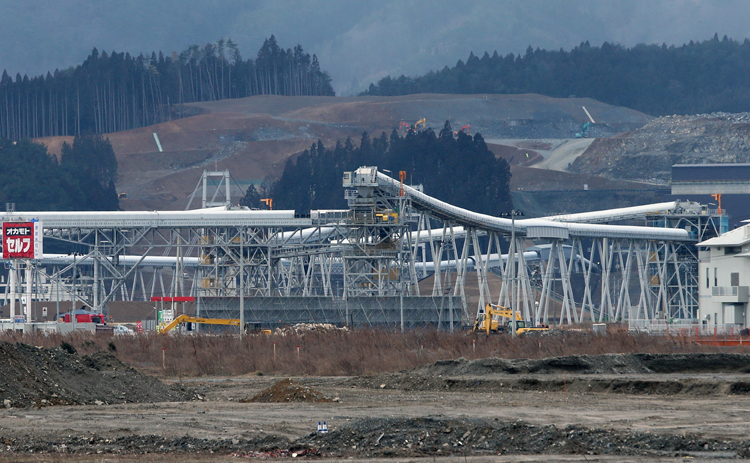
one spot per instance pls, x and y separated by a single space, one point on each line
22 240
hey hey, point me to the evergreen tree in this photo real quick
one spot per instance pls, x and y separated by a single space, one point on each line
116 91
35 181
92 167
700 77
251 198
459 170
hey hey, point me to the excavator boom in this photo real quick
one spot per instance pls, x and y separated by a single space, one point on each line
211 321
491 321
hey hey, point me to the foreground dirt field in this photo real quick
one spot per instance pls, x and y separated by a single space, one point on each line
428 413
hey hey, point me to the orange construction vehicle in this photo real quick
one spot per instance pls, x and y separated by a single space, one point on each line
467 127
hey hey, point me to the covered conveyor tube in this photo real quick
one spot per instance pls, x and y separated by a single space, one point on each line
541 228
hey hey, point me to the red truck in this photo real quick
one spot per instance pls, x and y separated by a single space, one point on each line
87 317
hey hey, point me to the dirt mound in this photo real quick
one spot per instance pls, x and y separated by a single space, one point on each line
696 363
34 376
287 390
649 152
398 437
595 364
579 384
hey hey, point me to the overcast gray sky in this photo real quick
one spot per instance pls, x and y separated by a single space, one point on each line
357 41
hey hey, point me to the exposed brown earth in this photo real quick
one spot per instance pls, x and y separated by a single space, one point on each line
253 137
287 390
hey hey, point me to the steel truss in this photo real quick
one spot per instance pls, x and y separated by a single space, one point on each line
598 279
363 265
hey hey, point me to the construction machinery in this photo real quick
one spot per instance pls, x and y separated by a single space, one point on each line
422 122
717 197
467 128
268 202
404 125
584 133
490 321
209 321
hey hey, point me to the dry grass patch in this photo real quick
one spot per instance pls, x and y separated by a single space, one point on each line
340 353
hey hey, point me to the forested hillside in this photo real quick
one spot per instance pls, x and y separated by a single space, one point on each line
695 78
117 91
460 170
83 180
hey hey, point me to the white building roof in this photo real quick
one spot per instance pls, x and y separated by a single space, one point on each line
211 217
736 237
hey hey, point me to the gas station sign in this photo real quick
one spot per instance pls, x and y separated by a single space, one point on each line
22 240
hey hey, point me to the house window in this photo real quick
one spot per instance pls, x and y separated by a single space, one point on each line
735 279
716 277
708 277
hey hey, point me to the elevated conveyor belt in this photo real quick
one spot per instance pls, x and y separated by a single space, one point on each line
533 228
623 213
211 217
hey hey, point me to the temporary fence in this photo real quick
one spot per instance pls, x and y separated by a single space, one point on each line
726 334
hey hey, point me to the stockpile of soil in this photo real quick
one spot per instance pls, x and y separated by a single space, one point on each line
595 364
35 376
577 384
582 375
403 437
648 153
287 390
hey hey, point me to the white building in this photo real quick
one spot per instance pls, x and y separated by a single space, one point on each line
724 278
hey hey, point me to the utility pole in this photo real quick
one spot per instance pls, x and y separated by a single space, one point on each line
512 255
73 303
242 284
513 274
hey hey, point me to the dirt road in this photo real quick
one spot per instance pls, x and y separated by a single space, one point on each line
558 154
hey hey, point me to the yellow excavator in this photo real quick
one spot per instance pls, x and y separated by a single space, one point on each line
422 122
489 321
210 321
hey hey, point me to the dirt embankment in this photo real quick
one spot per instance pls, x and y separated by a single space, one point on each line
648 153
595 364
35 376
610 373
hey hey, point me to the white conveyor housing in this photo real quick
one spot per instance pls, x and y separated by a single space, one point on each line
533 228
211 217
